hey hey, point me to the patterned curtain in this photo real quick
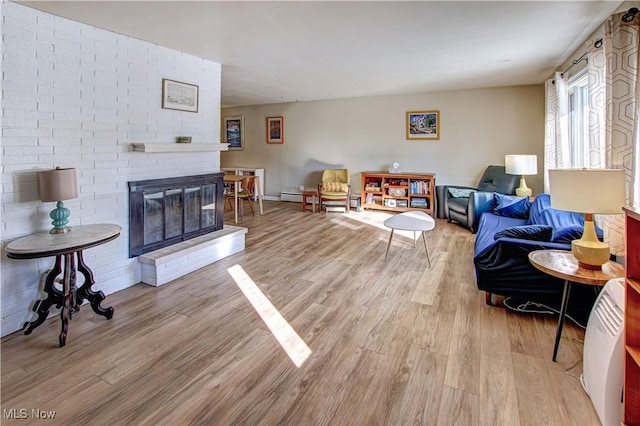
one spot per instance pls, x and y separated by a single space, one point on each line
622 90
614 117
556 134
596 69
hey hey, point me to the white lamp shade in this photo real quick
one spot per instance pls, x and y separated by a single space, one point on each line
587 190
58 184
521 164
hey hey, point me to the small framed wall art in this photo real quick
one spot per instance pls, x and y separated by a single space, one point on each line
423 125
233 128
179 96
275 129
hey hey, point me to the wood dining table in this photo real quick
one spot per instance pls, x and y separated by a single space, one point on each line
235 181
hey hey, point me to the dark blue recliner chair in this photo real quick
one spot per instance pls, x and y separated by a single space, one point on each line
466 210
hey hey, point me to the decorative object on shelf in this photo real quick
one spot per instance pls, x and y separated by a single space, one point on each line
521 165
183 139
151 147
588 191
423 125
58 185
395 167
233 128
275 129
397 192
179 96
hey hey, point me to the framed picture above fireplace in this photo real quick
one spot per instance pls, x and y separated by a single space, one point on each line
233 132
179 96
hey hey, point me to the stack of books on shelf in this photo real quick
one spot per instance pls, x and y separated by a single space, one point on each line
419 186
419 203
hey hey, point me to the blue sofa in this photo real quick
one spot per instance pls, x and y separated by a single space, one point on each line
506 237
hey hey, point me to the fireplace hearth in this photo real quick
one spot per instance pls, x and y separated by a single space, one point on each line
163 212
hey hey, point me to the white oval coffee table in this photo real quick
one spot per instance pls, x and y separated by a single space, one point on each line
415 221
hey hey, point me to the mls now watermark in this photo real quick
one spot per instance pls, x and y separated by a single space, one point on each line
24 413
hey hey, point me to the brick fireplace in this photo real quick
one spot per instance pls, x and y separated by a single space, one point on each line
170 232
163 212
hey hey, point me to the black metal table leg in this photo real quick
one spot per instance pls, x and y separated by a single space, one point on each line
563 311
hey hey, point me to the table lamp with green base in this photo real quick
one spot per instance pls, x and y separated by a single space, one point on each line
58 185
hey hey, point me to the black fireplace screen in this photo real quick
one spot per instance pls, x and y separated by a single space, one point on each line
163 212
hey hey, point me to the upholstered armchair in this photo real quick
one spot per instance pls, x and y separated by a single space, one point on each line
335 186
465 204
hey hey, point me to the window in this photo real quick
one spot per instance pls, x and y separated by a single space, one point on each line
579 120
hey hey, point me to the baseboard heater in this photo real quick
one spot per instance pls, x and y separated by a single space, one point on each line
293 196
296 197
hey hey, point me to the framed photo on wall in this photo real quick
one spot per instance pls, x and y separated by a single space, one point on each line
179 96
233 129
275 129
423 125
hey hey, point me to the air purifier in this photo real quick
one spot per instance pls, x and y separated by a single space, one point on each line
603 357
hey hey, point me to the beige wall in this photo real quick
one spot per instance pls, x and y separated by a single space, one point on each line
478 127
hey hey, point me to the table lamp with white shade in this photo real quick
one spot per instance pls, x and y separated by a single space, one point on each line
521 165
58 185
588 191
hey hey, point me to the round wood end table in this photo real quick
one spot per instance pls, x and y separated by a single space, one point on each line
563 264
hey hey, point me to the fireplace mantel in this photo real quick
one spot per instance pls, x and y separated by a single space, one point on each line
153 147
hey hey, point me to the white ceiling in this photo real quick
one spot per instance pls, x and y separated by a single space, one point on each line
286 51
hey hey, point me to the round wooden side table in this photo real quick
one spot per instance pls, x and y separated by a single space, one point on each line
563 264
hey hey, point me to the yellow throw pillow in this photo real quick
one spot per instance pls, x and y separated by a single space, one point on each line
335 187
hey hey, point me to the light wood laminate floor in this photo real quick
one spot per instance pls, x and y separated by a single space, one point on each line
392 342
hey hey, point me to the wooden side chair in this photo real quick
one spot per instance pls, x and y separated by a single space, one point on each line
245 193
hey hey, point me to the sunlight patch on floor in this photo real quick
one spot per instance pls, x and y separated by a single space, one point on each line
373 218
293 345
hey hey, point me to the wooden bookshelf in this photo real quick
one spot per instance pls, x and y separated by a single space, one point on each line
398 191
632 318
